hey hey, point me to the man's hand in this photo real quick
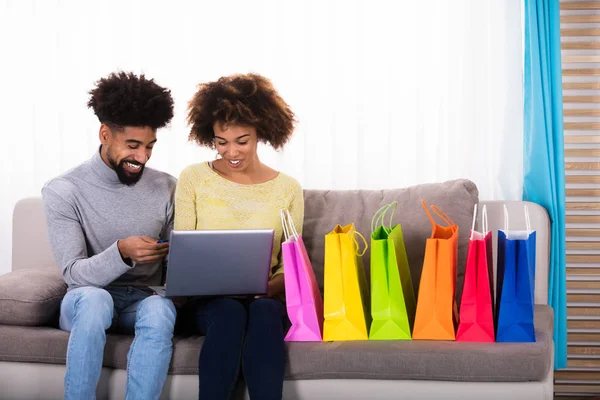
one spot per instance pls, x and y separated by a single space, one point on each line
142 249
274 287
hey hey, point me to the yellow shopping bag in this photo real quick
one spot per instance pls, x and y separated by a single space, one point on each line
346 297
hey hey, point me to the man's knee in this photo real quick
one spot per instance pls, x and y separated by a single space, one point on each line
93 307
156 312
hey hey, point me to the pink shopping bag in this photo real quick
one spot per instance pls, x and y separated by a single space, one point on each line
303 298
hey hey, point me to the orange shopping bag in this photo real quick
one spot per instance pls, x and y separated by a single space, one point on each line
436 316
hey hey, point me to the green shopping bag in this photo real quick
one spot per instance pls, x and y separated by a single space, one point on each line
393 302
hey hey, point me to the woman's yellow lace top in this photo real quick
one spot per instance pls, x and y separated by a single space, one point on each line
206 200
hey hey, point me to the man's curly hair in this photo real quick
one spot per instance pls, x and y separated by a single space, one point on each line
241 99
124 99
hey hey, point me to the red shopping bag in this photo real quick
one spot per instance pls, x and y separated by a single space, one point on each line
476 305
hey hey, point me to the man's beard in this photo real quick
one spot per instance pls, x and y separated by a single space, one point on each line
126 177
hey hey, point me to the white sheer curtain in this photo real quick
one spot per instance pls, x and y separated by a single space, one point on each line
387 93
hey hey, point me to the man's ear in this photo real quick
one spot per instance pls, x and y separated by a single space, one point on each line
104 134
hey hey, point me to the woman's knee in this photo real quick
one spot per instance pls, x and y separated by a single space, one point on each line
266 309
222 314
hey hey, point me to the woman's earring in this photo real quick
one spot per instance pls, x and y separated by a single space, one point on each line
218 156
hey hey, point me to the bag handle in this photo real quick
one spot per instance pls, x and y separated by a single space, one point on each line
442 215
474 219
484 219
289 229
286 233
527 219
358 253
291 225
379 217
437 211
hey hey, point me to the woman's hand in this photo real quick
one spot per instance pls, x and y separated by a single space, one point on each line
274 287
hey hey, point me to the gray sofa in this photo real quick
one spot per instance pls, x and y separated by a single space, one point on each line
32 349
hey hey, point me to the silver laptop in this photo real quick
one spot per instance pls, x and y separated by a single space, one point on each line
218 263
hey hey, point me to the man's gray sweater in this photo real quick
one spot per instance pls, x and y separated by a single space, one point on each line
88 210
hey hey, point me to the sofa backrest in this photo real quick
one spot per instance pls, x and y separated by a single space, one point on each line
30 244
325 209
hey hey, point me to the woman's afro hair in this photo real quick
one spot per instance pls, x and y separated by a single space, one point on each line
248 99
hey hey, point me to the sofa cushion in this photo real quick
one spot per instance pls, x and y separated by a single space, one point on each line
31 296
326 208
44 344
433 360
428 360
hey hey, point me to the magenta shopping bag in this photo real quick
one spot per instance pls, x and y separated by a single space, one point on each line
303 298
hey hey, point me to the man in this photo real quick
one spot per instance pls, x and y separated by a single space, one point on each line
105 219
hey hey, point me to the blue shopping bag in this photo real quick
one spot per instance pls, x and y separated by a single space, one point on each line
515 283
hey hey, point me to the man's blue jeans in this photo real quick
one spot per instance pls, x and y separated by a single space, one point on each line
88 312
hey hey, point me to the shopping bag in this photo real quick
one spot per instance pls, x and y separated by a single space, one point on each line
303 299
436 315
346 297
392 295
515 283
476 305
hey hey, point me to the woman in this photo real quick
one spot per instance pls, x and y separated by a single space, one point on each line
237 191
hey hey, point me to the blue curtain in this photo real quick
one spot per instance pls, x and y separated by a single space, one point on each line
544 174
